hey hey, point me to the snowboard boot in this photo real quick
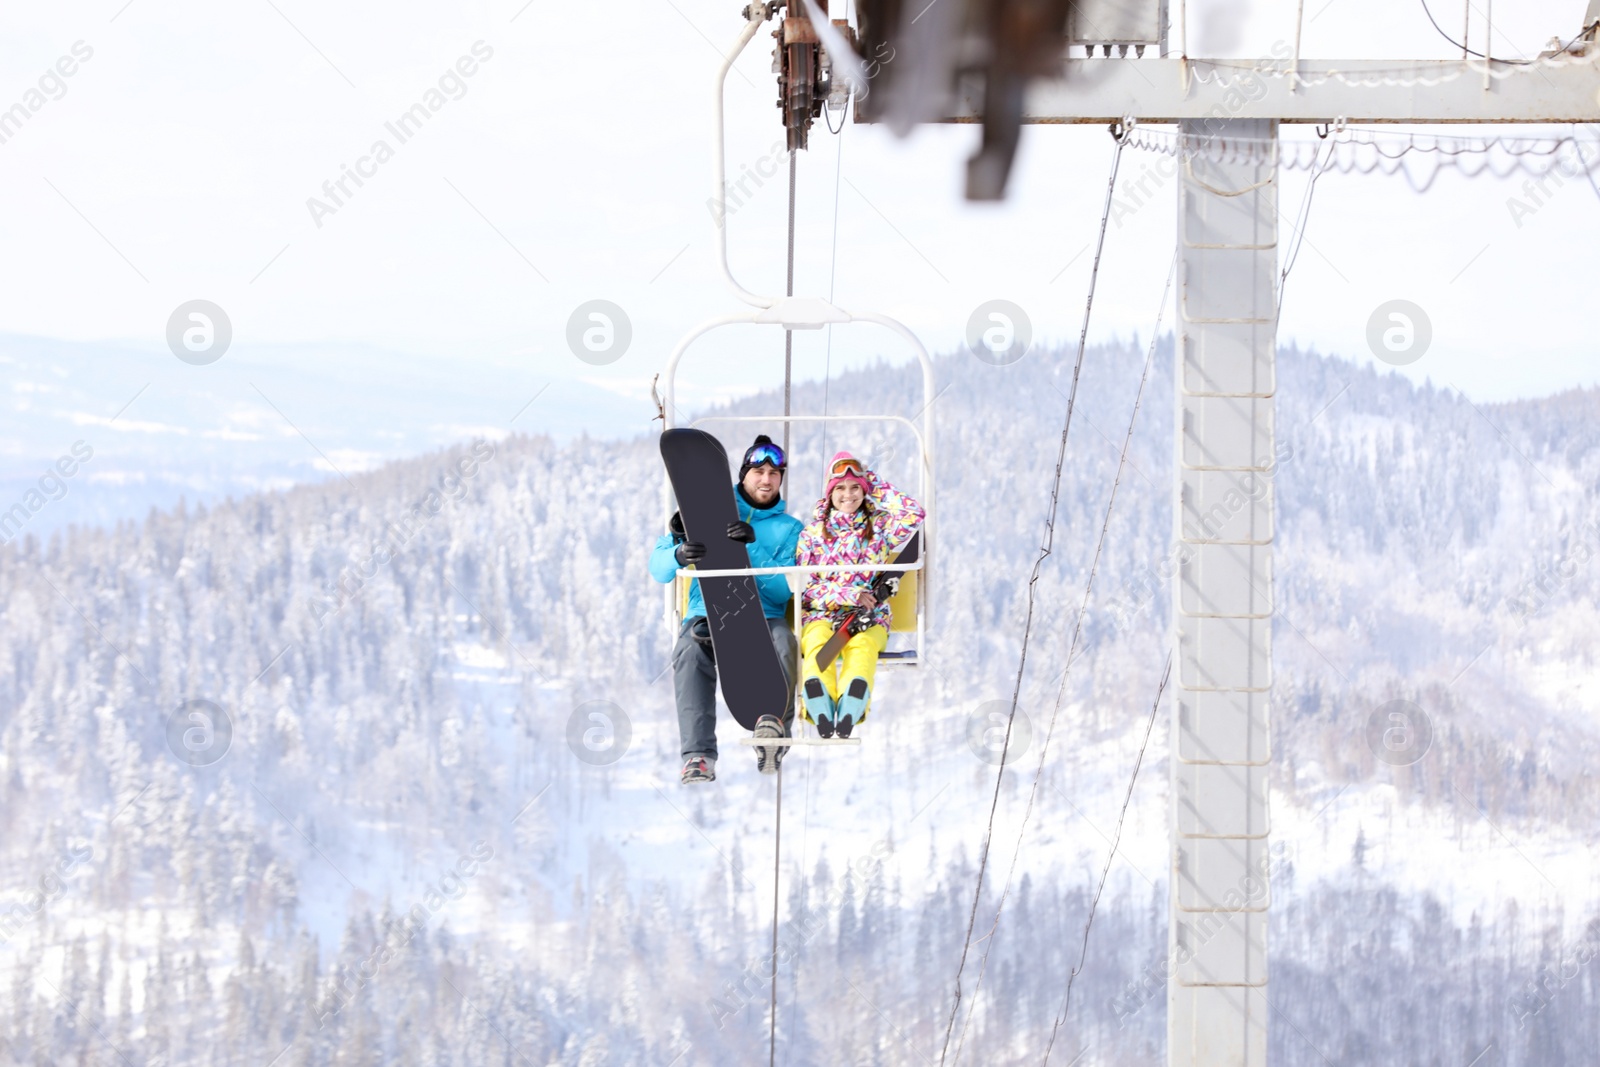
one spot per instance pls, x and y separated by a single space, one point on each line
820 706
852 706
698 769
768 757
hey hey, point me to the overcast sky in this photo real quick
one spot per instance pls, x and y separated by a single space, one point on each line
179 158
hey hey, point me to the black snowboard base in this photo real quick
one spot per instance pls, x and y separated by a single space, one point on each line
748 670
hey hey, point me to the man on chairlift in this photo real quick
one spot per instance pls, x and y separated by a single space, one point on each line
769 534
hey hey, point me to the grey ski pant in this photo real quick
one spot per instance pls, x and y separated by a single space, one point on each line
694 682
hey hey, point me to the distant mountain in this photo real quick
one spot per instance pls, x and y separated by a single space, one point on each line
263 417
416 848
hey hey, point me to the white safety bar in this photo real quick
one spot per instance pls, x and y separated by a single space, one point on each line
853 568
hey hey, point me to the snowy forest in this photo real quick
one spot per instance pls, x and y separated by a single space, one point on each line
304 779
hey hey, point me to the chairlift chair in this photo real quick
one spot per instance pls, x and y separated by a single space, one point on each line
910 605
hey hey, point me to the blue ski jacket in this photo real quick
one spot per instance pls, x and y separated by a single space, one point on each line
777 533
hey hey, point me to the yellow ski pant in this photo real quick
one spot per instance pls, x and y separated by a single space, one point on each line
858 660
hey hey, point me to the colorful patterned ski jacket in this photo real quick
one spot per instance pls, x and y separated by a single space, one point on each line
895 516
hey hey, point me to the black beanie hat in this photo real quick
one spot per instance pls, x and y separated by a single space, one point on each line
745 464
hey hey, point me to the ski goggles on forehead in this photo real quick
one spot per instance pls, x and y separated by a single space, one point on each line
771 455
845 466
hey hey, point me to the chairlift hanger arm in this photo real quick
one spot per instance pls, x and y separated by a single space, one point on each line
755 15
806 84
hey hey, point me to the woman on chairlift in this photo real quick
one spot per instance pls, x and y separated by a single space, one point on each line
863 519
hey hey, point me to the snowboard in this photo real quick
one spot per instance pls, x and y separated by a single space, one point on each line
748 669
883 587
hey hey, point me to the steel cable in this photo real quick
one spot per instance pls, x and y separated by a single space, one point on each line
777 821
827 374
777 853
788 334
1072 649
1083 952
1045 550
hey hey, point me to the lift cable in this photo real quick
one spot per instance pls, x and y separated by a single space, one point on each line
1072 652
777 818
1465 51
1489 44
1586 171
1302 221
833 273
788 334
1119 132
833 270
805 829
1116 839
777 852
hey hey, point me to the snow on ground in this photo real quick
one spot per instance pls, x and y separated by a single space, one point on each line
850 803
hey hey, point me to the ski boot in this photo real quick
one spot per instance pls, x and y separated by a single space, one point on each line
698 769
768 757
820 706
852 706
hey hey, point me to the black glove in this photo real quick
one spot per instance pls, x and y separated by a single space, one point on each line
689 553
675 527
741 532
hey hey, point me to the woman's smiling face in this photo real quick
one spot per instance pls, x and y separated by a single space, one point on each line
847 497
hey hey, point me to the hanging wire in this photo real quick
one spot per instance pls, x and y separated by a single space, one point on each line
1468 51
833 274
833 270
1105 526
777 853
1465 51
777 831
788 334
1303 219
1299 240
1588 173
827 375
1083 951
843 115
805 828
1120 133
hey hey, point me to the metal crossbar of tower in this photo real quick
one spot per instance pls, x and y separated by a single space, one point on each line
1229 114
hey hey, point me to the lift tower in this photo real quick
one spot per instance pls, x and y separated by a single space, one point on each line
1228 114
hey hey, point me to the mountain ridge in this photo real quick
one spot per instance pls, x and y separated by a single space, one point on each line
386 715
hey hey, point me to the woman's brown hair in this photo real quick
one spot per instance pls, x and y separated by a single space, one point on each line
827 530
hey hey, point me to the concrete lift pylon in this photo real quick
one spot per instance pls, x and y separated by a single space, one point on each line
1223 507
